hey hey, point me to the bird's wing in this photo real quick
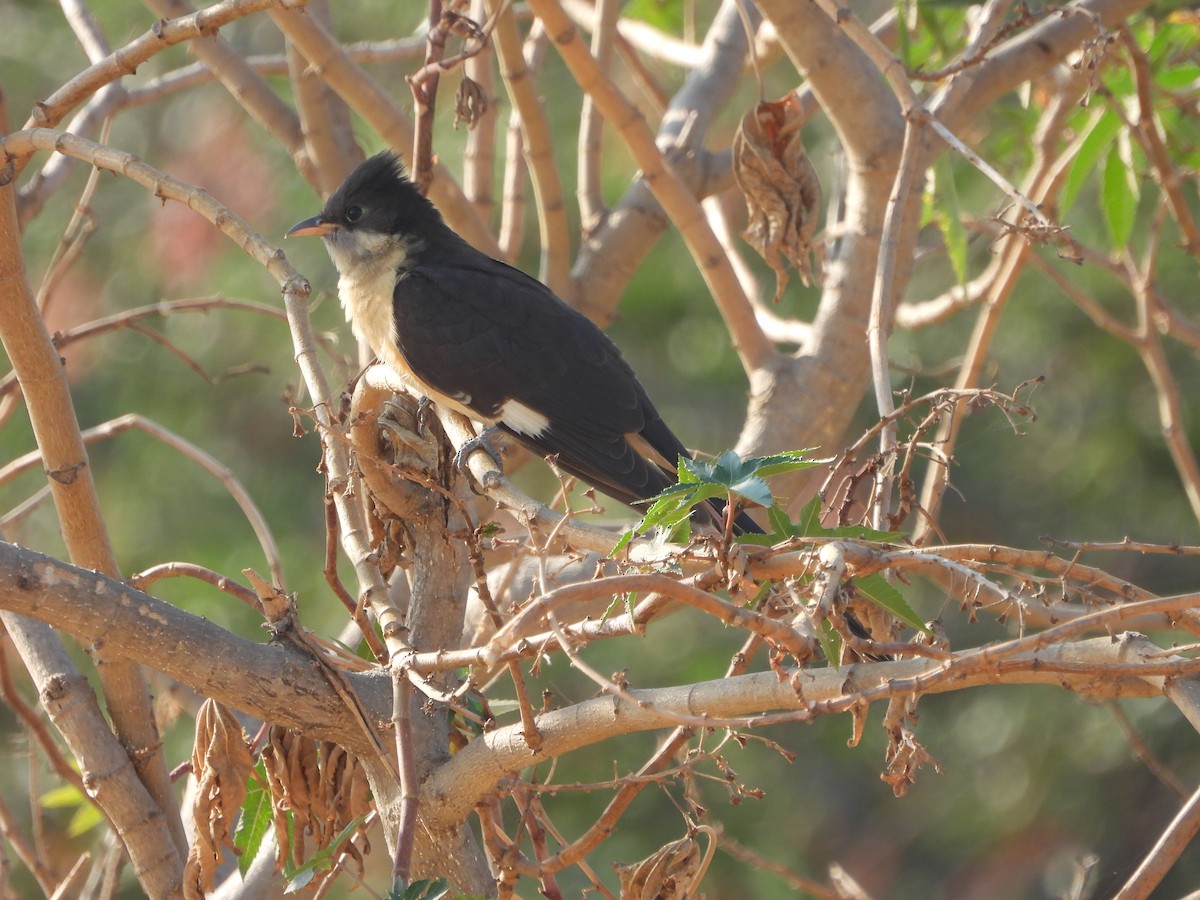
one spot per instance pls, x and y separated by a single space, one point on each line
510 351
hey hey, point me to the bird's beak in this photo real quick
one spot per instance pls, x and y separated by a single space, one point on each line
315 226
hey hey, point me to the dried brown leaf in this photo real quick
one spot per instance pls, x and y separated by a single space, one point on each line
221 764
780 185
470 103
274 758
323 787
666 874
905 754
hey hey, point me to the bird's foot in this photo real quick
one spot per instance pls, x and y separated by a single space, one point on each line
483 442
405 430
424 407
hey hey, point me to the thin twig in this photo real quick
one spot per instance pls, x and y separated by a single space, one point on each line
1178 835
222 473
144 579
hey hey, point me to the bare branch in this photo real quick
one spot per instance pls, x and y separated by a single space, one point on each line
125 61
666 184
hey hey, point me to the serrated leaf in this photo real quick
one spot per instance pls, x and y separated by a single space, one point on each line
684 473
322 859
1104 129
730 462
1117 198
255 820
753 489
780 524
779 463
622 542
670 508
808 524
726 470
882 593
675 504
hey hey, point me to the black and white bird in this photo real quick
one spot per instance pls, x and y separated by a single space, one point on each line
485 339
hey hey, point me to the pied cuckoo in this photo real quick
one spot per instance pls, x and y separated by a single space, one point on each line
485 339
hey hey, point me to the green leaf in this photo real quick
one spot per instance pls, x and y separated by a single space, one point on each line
780 524
701 480
831 643
86 818
255 820
808 524
67 796
62 797
667 17
754 489
904 48
627 600
670 508
1101 136
302 879
779 463
502 707
949 218
1169 36
882 593
1178 77
323 860
744 478
1118 198
683 473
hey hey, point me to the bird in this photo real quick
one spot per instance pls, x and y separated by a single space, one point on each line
479 336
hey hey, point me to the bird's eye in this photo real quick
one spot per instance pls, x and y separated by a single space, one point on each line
353 214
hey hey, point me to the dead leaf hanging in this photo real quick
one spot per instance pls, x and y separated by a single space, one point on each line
221 765
325 790
780 185
669 873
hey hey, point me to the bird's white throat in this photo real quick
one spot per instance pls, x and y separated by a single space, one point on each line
368 264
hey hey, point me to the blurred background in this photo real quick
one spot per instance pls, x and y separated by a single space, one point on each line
1036 783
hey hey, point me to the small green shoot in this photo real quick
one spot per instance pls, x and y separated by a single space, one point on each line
728 478
255 821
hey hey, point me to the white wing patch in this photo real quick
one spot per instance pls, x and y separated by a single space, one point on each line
523 420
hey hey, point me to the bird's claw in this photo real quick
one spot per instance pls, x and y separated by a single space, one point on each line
424 405
483 442
398 422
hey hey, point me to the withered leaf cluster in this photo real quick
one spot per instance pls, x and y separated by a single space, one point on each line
324 788
668 873
221 765
781 187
